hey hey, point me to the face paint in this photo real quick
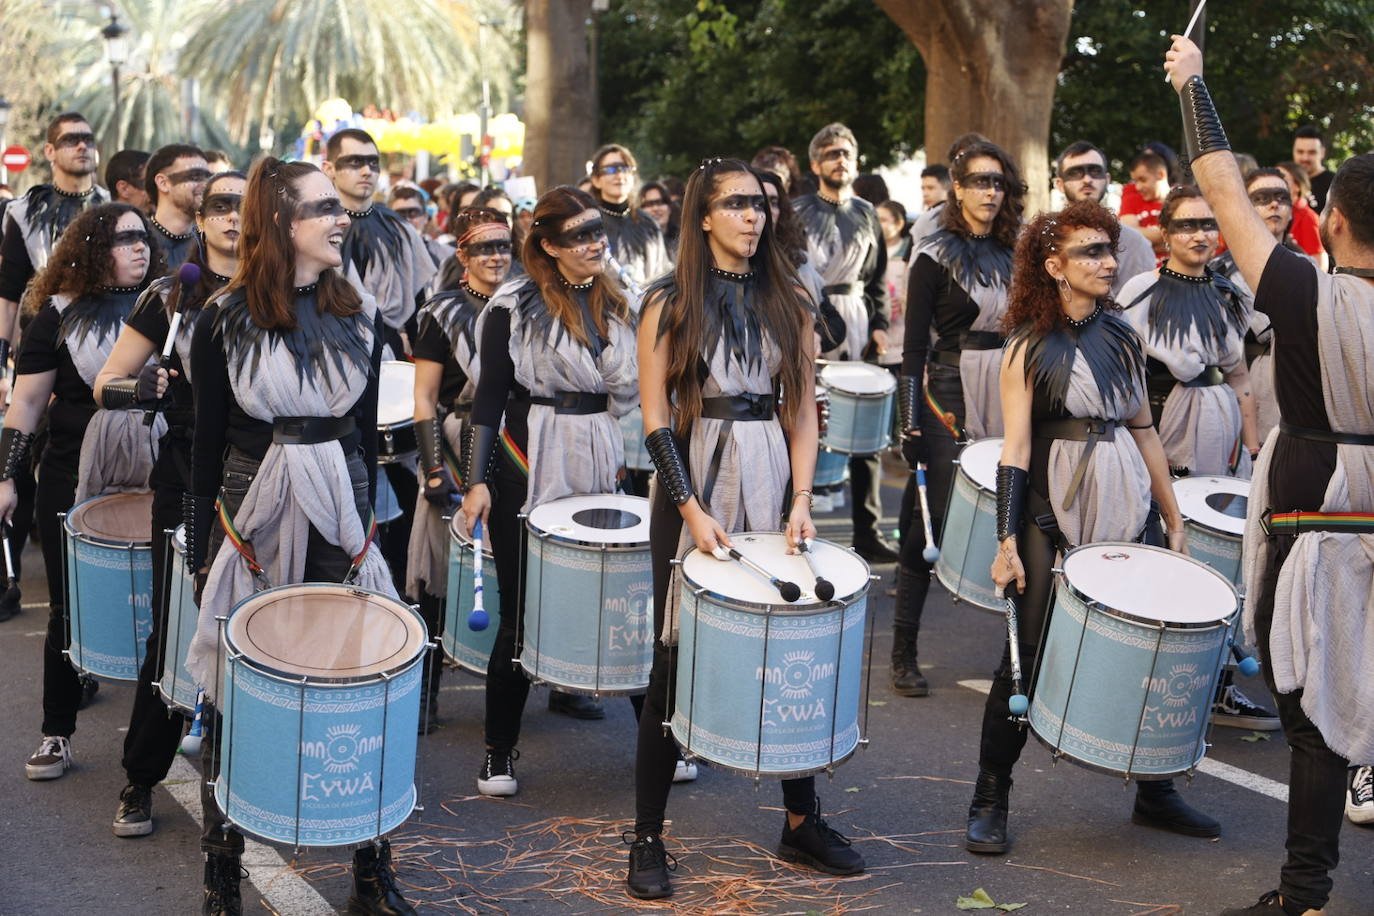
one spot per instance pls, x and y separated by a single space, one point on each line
985 181
738 202
583 235
1265 196
127 238
356 163
1094 252
185 175
1079 172
492 248
1190 226
221 205
317 209
409 212
67 141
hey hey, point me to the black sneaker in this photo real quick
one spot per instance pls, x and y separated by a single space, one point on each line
1235 709
497 776
89 688
876 550
816 844
11 603
575 705
52 759
135 814
1359 800
649 866
1271 904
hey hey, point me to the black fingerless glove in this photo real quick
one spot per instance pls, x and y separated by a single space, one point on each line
14 452
1011 500
479 449
909 418
428 438
914 451
1202 130
198 515
672 470
147 383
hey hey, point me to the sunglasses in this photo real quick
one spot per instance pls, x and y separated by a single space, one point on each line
615 168
1097 251
740 202
127 238
834 155
409 212
654 202
490 249
1079 172
358 163
583 236
221 204
317 209
985 181
189 175
1266 196
67 141
1190 226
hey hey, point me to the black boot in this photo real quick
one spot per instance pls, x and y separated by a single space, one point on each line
649 866
222 875
374 884
907 679
987 816
1158 804
815 843
575 705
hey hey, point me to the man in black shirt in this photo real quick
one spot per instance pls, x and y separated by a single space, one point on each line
175 180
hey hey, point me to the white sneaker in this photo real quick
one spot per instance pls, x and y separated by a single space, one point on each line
686 771
1359 800
51 760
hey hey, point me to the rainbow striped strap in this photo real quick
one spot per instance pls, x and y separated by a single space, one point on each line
241 544
946 417
514 452
367 545
1295 523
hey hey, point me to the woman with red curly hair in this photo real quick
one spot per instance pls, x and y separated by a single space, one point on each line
1073 375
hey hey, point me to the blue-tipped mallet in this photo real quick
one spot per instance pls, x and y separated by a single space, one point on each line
1017 703
477 619
190 745
1246 663
931 553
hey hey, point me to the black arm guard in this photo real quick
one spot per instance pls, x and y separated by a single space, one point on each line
14 452
4 355
119 394
198 514
1202 130
909 403
479 448
428 437
1011 500
672 470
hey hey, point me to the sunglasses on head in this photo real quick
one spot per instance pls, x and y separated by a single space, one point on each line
615 168
67 141
185 175
589 233
221 204
985 181
127 238
358 163
739 202
1190 226
1079 172
1266 196
409 212
839 152
317 209
489 249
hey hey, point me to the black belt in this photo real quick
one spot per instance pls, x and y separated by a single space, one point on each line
981 340
311 430
574 402
843 289
740 407
945 358
1322 435
1212 375
1091 430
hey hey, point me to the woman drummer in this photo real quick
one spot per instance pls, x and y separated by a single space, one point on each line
286 363
1193 322
716 336
1072 384
557 357
957 293
105 259
445 348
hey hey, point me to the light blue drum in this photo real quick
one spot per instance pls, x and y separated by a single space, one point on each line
320 701
589 594
468 648
968 543
636 453
764 687
175 684
388 506
1214 519
109 583
862 398
832 470
1131 658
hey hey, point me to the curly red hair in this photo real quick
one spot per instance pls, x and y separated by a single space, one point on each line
1034 298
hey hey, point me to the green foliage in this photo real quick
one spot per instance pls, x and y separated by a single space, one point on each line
685 79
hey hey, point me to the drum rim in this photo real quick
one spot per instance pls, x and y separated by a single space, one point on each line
1212 529
781 609
959 463
1217 532
820 379
406 423
1227 620
234 655
1057 753
467 544
578 543
765 774
95 540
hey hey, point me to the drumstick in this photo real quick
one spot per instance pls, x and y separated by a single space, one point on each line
1017 703
9 559
931 553
1248 664
1191 22
190 745
789 591
188 275
477 619
825 590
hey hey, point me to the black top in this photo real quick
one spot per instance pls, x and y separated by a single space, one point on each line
856 220
225 328
48 211
176 248
1300 469
44 349
1321 186
933 300
497 390
443 320
16 267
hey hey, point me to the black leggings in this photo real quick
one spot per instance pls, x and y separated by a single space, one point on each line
656 753
61 685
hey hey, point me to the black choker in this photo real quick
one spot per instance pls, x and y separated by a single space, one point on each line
355 214
731 275
980 236
176 237
467 288
1186 278
304 290
218 278
74 195
611 209
1366 273
833 201
118 290
1082 322
571 285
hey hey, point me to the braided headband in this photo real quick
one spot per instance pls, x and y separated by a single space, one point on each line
479 228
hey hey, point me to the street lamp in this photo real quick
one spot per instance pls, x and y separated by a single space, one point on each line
4 119
116 52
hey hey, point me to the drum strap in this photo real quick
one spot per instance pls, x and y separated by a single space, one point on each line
250 557
1091 430
514 452
946 417
1296 523
713 471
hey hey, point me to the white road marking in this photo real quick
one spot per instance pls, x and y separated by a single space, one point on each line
1223 771
283 889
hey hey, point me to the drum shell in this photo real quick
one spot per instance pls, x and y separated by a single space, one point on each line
467 648
396 442
636 452
1218 549
108 639
588 615
340 752
832 468
859 424
968 543
396 396
175 684
388 505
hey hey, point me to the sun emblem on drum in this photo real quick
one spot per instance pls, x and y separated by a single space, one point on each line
341 748
797 669
1178 687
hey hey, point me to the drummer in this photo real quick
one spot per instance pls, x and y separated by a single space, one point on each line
557 357
1193 323
947 393
286 357
104 260
1072 385
128 377
717 335
445 347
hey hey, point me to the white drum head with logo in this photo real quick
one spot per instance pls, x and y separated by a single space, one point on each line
1149 583
396 393
732 581
858 378
1218 503
603 518
979 461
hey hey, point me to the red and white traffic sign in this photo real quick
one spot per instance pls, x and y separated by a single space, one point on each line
15 158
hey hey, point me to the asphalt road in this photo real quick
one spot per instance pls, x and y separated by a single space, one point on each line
556 848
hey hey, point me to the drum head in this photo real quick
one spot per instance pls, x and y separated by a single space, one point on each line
457 529
117 518
1216 502
325 631
978 460
396 393
1150 583
858 378
604 518
734 582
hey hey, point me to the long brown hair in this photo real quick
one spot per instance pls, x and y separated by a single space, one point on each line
633 213
781 307
84 257
1034 298
1007 224
555 207
267 254
788 233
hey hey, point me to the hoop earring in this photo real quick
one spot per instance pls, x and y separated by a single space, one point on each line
1065 292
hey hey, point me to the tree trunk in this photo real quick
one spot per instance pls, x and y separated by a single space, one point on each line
560 111
991 67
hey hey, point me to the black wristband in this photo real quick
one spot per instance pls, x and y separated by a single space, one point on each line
1202 130
479 448
14 452
1012 483
427 437
198 515
909 403
672 470
119 394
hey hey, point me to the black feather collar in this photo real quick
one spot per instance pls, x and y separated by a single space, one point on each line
537 320
101 314
49 211
972 260
376 237
1209 304
730 319
454 313
1110 346
316 342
